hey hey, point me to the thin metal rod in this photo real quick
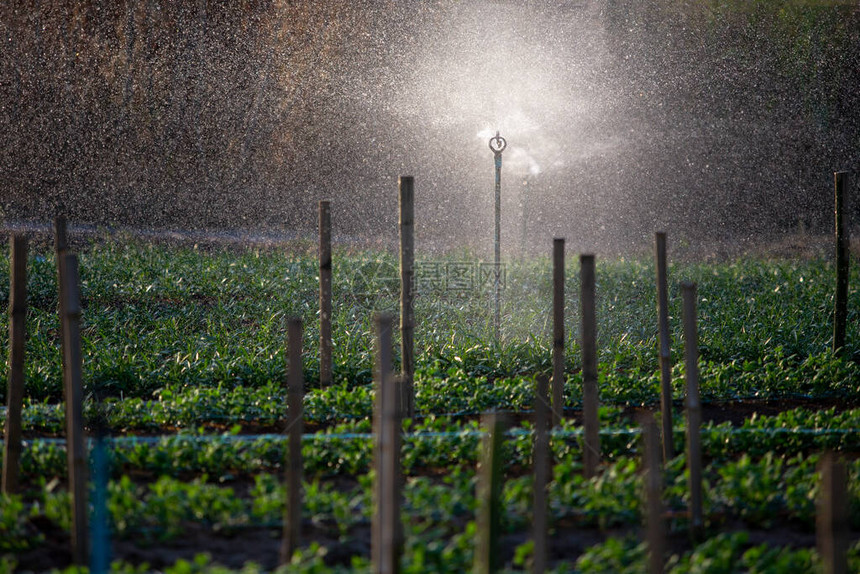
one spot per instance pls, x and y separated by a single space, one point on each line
407 294
664 342
497 146
17 336
497 249
326 345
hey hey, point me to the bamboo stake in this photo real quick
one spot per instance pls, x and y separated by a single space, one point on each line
591 454
75 439
61 245
832 515
694 410
664 343
840 319
295 396
655 529
557 331
407 294
487 558
17 336
541 461
386 534
326 345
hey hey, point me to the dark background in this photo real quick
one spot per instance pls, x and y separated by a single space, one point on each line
713 120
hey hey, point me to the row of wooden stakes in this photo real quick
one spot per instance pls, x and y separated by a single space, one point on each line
70 335
399 389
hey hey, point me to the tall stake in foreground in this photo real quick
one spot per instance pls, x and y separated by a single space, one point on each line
295 397
694 410
386 533
590 399
17 335
655 529
75 440
542 469
490 509
325 293
840 317
407 294
832 515
557 330
664 343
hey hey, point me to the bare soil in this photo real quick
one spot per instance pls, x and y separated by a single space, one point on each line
262 545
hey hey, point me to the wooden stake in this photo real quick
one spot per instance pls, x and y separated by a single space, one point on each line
17 335
75 439
557 331
326 345
407 294
694 410
832 515
664 343
386 534
655 529
541 461
295 397
591 454
489 494
840 319
61 245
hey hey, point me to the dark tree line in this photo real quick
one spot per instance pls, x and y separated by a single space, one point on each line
750 107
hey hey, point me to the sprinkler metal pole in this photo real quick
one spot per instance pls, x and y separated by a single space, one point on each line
498 145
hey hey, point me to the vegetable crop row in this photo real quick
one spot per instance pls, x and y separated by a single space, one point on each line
724 554
168 318
759 492
445 443
452 391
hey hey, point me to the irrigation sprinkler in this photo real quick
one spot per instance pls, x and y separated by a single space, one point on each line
498 145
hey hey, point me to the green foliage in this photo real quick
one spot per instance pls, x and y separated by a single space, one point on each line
188 326
765 490
191 341
730 553
13 531
617 556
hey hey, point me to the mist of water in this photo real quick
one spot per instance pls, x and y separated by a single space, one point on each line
710 121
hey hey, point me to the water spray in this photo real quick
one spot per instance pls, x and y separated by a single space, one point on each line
498 145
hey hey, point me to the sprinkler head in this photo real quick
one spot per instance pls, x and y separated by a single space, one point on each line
498 144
